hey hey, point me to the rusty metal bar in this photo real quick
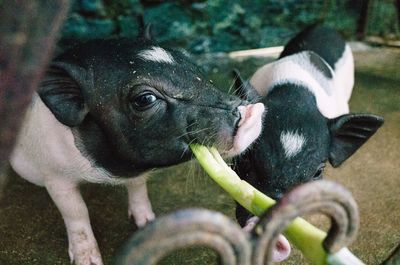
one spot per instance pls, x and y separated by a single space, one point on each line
322 196
185 228
202 227
362 23
28 33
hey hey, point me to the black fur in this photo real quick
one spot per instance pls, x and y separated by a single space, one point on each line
292 108
94 88
317 38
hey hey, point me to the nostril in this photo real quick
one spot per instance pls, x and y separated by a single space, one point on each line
237 122
238 117
236 112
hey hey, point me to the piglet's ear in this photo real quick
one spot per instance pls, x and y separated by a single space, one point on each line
244 89
61 92
348 133
145 30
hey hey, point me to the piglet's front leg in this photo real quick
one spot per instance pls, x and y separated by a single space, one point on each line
83 249
139 204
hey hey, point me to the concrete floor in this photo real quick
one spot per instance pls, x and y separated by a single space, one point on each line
32 231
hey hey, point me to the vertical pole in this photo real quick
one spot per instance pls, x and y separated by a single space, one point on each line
398 11
362 22
28 33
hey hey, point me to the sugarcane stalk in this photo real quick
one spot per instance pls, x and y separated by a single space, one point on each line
306 237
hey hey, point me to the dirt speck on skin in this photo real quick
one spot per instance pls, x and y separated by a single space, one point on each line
32 230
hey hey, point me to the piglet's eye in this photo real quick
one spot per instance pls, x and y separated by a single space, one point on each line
144 100
319 172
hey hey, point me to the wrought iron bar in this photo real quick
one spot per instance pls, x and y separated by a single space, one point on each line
322 196
202 227
28 32
185 228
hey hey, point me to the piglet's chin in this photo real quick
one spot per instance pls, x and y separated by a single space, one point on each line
250 126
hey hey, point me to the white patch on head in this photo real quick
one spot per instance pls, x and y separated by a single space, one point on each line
156 54
292 143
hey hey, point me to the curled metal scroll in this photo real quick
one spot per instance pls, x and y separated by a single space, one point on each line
193 227
323 196
187 228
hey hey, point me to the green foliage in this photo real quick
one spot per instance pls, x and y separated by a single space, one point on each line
128 26
79 27
92 6
172 22
116 8
223 25
383 20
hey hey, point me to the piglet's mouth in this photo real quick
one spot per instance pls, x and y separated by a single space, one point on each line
249 128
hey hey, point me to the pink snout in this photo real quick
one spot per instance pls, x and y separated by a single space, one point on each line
249 129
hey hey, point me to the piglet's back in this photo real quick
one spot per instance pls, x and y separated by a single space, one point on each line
332 48
325 42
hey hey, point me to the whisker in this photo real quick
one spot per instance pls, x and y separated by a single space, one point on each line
187 127
191 169
235 92
210 137
194 132
238 89
187 179
204 140
232 85
191 176
201 130
187 148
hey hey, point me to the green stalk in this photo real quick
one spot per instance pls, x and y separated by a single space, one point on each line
306 237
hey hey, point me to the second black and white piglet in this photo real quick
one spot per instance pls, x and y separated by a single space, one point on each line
307 122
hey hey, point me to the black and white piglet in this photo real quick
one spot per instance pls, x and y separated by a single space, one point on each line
306 94
109 111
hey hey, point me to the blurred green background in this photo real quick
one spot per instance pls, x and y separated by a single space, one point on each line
225 25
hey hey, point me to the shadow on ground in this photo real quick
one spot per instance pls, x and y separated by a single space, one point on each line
32 231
